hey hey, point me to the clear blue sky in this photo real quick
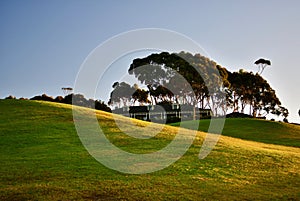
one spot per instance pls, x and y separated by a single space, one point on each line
43 43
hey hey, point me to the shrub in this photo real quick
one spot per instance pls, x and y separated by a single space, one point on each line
43 97
10 97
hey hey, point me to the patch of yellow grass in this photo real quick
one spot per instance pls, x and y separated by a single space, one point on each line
168 131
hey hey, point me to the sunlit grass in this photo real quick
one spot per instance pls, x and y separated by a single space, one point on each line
43 159
256 130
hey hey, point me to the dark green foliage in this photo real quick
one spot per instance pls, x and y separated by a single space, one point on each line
59 99
75 99
100 105
10 97
253 90
238 115
160 73
121 93
262 64
243 89
43 97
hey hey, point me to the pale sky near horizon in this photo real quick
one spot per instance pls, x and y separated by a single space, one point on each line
44 43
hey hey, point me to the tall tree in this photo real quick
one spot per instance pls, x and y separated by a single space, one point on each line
189 77
121 94
253 90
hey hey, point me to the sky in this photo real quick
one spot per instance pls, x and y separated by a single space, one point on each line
44 43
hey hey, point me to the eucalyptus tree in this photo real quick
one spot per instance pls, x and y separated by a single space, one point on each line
121 94
262 64
140 95
191 79
253 90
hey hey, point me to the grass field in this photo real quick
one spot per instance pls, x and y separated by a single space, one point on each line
43 159
256 130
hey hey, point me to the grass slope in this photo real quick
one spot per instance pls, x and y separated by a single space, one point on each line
256 130
43 159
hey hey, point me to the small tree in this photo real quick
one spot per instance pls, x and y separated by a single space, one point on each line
10 97
262 64
67 90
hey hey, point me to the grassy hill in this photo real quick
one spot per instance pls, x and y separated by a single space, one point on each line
255 130
42 158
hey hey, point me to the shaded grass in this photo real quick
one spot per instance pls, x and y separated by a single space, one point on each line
43 159
256 130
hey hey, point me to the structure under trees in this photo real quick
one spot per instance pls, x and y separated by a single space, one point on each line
183 78
180 78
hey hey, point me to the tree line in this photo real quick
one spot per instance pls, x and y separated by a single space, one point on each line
75 99
184 78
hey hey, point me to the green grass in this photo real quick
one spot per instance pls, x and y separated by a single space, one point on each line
42 158
256 130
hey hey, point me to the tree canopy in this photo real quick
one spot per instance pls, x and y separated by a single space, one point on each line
75 99
252 90
262 64
179 77
184 78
